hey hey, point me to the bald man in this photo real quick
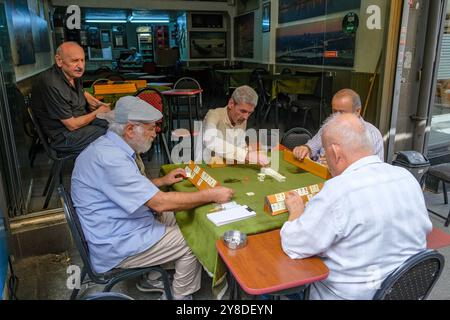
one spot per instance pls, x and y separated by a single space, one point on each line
65 112
344 101
365 222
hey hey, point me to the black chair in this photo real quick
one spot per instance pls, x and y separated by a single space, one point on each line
59 160
263 95
295 137
107 296
115 77
318 100
112 277
24 102
414 279
442 173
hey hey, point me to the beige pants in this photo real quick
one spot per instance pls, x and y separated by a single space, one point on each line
172 248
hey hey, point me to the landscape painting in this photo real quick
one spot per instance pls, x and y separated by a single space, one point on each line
244 35
293 10
22 45
205 45
317 43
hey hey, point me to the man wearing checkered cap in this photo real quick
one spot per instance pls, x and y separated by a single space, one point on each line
127 220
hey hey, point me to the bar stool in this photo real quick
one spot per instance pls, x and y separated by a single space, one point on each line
442 173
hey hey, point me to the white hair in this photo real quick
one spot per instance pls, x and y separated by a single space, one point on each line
245 94
117 128
348 131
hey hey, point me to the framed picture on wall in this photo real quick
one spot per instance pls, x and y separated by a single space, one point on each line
266 17
118 37
208 44
316 43
294 10
244 35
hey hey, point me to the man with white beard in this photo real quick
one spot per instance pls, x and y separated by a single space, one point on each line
128 222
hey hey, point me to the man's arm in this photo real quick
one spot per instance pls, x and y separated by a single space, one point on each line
171 178
311 148
177 201
93 102
73 123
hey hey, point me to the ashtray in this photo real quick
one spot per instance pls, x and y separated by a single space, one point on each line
234 239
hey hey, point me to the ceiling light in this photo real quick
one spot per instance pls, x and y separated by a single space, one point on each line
105 21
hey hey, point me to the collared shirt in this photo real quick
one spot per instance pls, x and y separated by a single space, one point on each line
109 194
55 99
364 224
315 144
222 138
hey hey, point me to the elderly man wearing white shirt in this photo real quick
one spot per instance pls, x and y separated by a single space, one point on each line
224 129
366 221
344 101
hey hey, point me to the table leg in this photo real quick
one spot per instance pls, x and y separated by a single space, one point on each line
190 128
170 126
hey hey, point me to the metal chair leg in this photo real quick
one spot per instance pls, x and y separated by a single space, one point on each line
447 222
444 187
49 179
52 184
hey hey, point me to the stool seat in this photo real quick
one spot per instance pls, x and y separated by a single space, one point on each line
441 171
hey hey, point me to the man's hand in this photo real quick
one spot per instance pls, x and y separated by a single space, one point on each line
98 105
295 205
301 152
102 109
174 176
221 194
259 158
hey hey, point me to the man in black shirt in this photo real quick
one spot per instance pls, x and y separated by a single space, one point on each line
65 112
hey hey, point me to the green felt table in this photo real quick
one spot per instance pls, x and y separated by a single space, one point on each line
201 234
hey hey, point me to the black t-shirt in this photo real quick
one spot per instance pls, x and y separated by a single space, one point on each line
54 99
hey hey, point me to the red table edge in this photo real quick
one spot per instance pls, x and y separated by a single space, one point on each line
273 289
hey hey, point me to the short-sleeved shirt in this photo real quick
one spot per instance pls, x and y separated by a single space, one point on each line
55 99
109 195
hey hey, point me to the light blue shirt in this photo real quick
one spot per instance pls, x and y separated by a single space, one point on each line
315 144
109 194
364 224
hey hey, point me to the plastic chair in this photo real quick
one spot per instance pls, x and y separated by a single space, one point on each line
295 137
155 98
112 277
59 160
414 279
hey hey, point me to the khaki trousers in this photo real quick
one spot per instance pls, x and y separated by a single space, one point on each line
172 248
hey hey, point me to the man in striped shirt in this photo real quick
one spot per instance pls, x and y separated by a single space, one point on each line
344 101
